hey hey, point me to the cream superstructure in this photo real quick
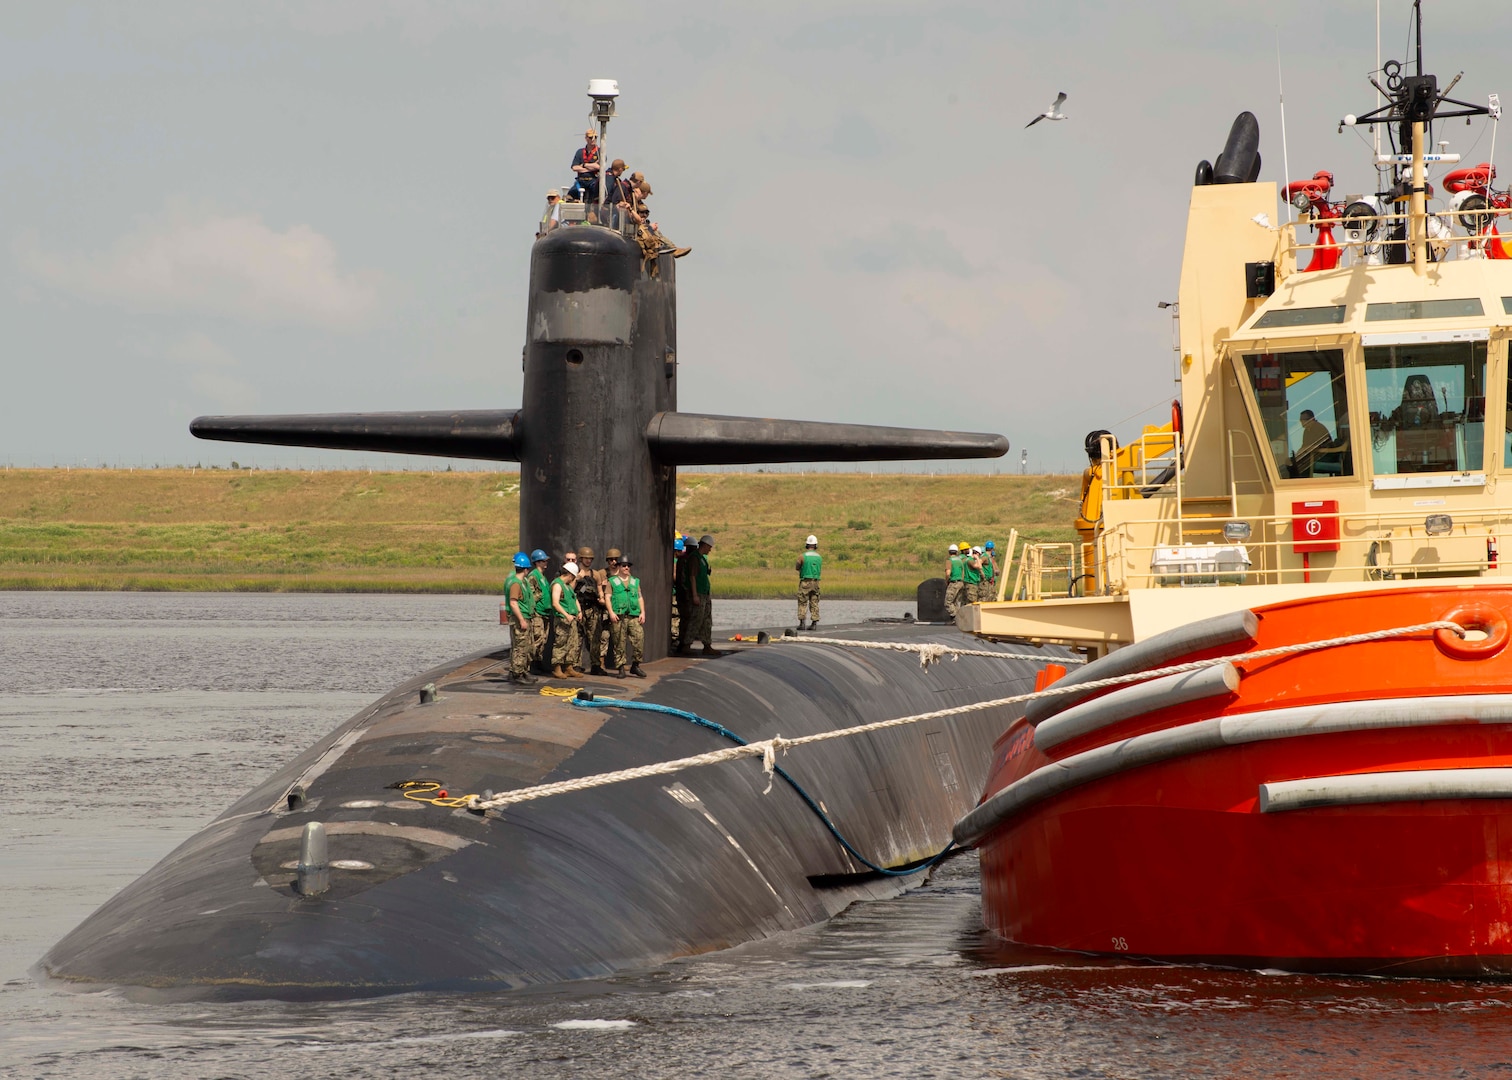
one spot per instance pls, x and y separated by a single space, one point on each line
1377 392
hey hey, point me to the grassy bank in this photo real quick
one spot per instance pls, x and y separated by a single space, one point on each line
219 530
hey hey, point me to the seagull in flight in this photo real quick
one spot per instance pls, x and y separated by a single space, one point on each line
1052 113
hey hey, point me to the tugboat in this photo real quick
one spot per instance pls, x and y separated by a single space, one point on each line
1325 783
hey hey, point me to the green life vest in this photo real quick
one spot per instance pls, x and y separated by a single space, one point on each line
527 597
988 570
569 599
701 575
971 575
957 568
542 592
811 565
624 595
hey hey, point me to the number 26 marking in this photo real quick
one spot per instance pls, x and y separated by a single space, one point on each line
1121 944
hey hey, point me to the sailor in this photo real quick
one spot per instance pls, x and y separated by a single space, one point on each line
552 217
702 627
589 590
520 598
955 580
604 651
989 572
586 165
971 574
679 545
538 623
808 567
564 609
683 588
627 615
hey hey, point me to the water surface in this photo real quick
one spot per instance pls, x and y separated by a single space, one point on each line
127 721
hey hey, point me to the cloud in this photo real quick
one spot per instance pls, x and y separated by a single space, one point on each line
226 266
902 246
210 370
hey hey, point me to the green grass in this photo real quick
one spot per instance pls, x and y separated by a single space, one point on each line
219 530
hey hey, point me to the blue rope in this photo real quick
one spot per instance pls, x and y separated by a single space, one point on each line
649 706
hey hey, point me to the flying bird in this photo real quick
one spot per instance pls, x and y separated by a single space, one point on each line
1052 113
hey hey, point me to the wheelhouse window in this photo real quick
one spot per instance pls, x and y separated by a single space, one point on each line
1304 411
1427 406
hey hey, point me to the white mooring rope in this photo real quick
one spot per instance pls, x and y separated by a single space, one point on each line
768 749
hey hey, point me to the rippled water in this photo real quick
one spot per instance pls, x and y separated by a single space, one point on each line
129 720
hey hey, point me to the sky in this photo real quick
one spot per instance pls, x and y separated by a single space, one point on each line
307 206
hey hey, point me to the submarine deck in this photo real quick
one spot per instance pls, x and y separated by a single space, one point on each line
426 896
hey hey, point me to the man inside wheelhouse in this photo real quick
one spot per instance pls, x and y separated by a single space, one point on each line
1426 405
1304 409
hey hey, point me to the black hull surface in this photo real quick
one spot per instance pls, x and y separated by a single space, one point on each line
571 887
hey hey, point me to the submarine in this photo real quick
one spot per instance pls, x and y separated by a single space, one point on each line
366 867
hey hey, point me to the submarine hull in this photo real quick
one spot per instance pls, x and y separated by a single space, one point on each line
581 885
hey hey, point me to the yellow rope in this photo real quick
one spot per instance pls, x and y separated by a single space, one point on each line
419 791
560 691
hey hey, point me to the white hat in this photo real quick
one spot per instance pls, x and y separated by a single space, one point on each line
570 568
953 549
976 551
812 541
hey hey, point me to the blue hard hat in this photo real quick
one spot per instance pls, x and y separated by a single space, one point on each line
522 561
538 556
989 545
679 545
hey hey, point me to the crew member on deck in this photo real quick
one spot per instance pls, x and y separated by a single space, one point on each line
590 608
520 599
808 567
989 572
538 622
628 617
679 547
702 628
564 609
954 580
971 574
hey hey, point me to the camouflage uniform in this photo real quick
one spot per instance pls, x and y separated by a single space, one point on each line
972 576
538 623
628 631
566 653
955 586
521 638
591 618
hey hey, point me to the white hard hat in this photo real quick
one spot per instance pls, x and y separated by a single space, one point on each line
570 568
812 541
952 549
976 551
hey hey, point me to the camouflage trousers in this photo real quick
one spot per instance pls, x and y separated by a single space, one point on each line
568 648
702 624
629 640
521 648
538 638
808 599
591 626
953 597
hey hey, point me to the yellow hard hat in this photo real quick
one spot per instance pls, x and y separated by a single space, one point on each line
964 545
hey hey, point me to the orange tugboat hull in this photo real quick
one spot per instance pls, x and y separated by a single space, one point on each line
1342 810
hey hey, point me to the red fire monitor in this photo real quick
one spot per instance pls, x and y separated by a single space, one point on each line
1315 526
